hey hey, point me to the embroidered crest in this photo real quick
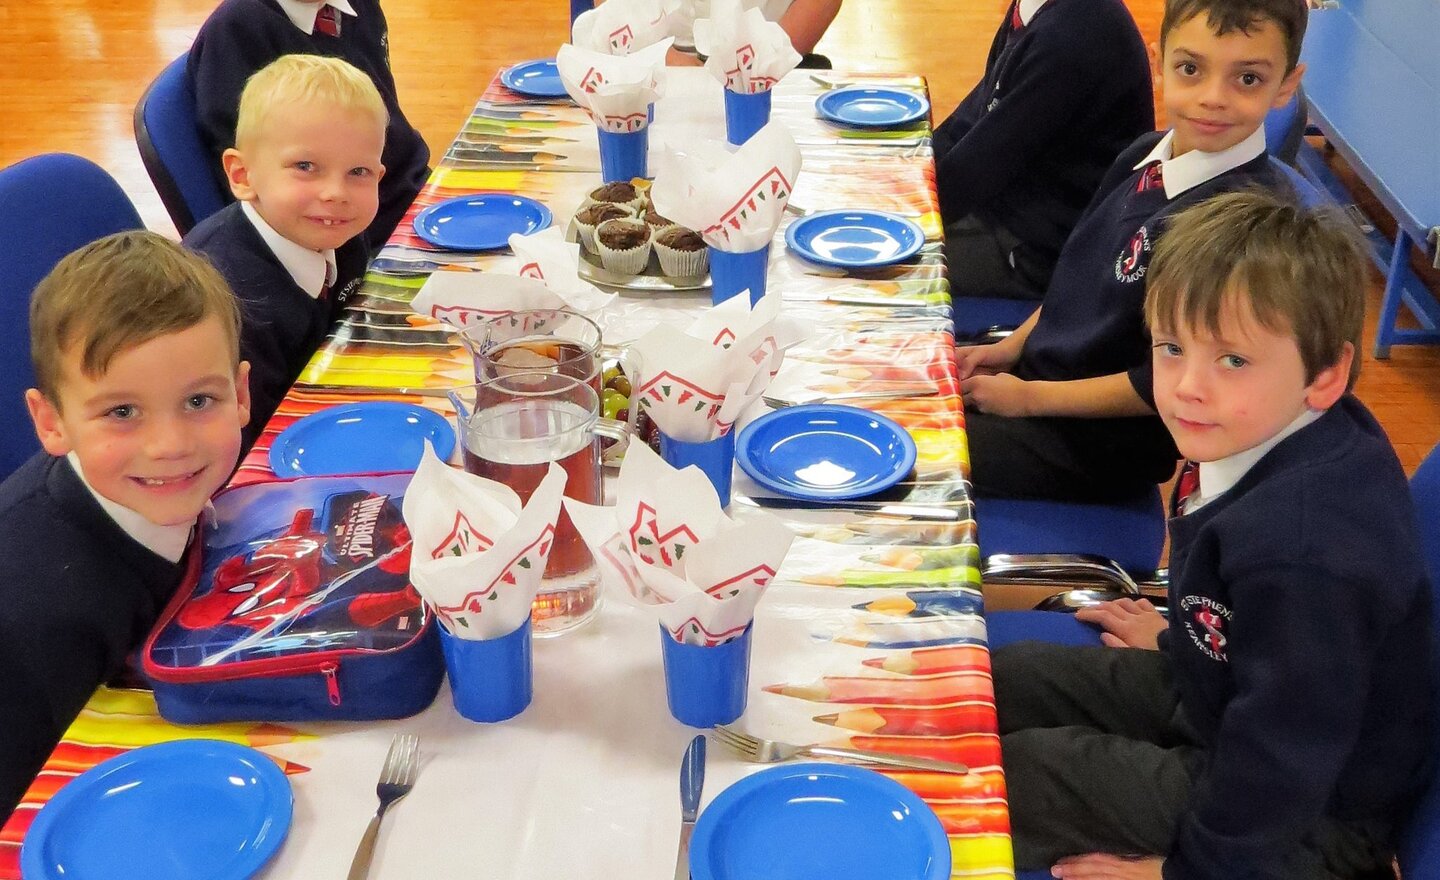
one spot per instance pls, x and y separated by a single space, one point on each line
1207 622
1130 266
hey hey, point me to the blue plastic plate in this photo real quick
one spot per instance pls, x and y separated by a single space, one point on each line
480 222
360 438
824 452
871 107
538 79
854 239
818 822
173 811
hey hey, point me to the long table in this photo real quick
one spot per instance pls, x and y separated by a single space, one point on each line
871 634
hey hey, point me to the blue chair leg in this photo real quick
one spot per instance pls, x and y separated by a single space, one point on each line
1394 290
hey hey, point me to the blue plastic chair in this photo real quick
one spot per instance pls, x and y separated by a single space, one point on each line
1308 193
1420 836
1284 127
49 206
168 135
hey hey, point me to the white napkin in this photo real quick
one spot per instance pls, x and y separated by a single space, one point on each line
734 200
744 51
464 297
479 556
666 544
695 383
615 90
620 27
547 256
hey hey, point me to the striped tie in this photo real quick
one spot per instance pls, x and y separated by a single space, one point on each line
327 22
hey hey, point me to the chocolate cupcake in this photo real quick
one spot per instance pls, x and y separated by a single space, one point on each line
587 218
620 193
682 252
624 245
656 221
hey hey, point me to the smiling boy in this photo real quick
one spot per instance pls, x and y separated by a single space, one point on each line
1277 724
139 407
306 171
1062 408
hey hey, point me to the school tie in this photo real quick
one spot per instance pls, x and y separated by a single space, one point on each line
1188 485
327 22
1150 178
1015 22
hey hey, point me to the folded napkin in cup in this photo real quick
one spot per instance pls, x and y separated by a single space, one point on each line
616 90
745 51
667 545
695 383
620 27
479 554
734 200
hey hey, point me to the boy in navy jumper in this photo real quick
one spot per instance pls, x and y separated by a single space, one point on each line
1061 409
140 402
1066 89
305 169
242 36
1277 725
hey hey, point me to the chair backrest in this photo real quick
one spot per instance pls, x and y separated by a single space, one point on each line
579 6
168 135
1284 128
1420 838
49 206
1308 193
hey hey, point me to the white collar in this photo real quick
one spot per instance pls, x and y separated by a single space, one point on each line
310 269
302 15
1195 167
1220 476
1028 8
166 541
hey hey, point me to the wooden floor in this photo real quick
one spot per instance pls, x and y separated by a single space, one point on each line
71 71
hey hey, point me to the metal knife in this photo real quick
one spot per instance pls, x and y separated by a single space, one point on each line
692 780
912 511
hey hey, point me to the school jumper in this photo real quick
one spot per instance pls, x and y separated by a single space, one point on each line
1023 154
77 595
281 325
1283 724
242 36
1091 324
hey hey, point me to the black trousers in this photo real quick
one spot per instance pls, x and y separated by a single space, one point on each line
1063 459
1099 758
986 259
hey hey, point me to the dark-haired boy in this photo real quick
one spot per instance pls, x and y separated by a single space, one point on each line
1066 88
242 36
140 402
1062 409
1278 724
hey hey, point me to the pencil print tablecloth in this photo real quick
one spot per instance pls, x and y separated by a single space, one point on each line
871 635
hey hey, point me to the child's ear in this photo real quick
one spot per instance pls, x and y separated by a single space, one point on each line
242 391
48 425
1330 383
237 174
1288 85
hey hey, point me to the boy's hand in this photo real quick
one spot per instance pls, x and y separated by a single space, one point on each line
1002 394
675 58
1127 623
1103 866
971 360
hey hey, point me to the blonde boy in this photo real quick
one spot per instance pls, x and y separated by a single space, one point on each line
140 403
1277 724
305 169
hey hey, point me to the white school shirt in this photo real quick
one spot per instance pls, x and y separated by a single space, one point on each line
302 15
1196 167
166 541
312 270
1220 476
1028 8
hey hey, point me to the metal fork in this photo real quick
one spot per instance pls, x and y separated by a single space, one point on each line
768 751
397 777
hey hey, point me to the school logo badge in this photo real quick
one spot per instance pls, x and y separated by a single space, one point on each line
1207 622
349 289
1130 266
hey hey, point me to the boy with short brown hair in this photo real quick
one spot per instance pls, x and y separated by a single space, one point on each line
1277 725
139 407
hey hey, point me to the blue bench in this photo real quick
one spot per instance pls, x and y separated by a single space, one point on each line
1373 84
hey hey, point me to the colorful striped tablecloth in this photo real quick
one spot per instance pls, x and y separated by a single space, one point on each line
871 635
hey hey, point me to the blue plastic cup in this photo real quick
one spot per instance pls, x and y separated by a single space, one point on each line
732 273
716 458
706 686
745 115
623 155
490 679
